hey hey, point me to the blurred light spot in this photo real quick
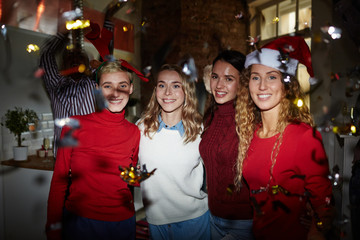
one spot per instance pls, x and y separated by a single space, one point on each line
39 12
353 129
299 102
77 24
335 129
32 48
275 20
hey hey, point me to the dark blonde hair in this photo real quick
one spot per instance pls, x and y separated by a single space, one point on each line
190 117
112 67
247 117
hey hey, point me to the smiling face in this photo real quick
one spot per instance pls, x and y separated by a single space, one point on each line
116 88
224 82
266 88
169 92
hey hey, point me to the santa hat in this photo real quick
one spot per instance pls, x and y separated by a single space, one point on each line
101 43
283 54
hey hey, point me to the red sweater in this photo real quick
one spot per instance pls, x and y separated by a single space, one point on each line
106 140
301 166
219 149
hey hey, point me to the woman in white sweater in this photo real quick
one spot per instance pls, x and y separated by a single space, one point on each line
175 205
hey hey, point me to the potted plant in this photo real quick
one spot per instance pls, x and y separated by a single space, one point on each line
19 121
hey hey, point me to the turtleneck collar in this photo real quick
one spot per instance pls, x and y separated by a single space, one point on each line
226 108
109 117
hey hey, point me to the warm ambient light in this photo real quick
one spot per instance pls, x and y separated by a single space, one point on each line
276 20
353 129
299 102
77 24
32 48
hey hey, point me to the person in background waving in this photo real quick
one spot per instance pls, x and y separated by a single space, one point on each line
68 96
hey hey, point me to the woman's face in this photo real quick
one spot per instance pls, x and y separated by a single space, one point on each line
116 88
266 87
224 82
169 92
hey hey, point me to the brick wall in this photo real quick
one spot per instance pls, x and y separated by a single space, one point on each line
199 28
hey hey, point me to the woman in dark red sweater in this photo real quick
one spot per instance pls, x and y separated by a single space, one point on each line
231 212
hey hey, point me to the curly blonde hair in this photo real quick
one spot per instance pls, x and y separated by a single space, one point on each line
191 118
248 118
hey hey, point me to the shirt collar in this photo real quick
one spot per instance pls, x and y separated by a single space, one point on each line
179 126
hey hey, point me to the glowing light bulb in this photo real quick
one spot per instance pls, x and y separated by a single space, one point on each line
353 129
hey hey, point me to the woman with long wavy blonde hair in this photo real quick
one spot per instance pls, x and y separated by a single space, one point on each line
190 118
281 155
175 204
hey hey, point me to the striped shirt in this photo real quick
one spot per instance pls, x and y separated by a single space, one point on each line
67 97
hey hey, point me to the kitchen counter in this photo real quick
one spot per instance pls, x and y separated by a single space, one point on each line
33 162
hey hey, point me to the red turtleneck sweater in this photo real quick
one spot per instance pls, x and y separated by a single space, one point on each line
219 150
106 140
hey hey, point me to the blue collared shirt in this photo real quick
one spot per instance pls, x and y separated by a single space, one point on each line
179 126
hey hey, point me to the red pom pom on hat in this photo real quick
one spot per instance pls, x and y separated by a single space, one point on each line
270 55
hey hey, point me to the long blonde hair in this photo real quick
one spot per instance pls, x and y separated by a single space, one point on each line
190 117
247 117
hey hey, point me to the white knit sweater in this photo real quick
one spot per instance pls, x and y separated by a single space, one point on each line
173 193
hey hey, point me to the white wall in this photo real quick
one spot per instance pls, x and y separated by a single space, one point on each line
18 87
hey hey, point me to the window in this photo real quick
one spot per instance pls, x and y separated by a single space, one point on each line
283 17
268 29
287 17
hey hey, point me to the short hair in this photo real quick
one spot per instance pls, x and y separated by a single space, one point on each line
112 67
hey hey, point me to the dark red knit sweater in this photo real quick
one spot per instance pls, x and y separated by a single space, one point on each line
219 149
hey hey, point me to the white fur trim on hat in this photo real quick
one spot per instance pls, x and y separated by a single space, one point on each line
271 58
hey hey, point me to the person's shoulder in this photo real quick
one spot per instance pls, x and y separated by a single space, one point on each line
86 80
303 132
299 127
82 119
78 117
131 126
140 124
85 116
